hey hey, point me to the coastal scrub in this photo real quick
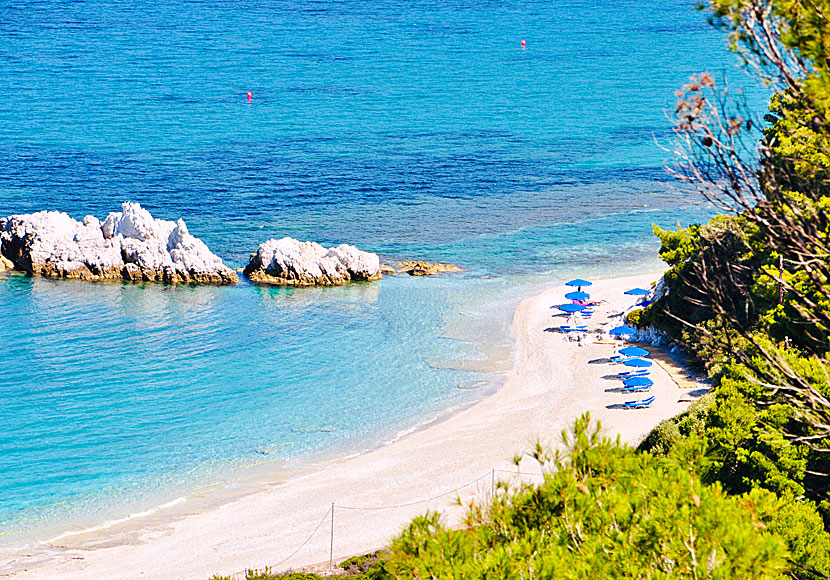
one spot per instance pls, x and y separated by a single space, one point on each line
604 511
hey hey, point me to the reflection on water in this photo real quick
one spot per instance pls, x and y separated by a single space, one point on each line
360 293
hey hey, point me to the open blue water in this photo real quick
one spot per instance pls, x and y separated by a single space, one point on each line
415 129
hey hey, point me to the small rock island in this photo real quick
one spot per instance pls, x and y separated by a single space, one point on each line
289 262
421 268
129 245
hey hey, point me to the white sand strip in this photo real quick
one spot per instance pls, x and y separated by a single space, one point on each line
551 384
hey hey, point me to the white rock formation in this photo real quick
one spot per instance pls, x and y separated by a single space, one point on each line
129 245
289 262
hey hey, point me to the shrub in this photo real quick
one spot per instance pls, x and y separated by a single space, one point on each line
604 511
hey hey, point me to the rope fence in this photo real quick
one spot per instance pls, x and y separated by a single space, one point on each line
308 539
329 515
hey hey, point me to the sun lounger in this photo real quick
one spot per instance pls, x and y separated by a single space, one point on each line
639 404
637 373
568 328
637 389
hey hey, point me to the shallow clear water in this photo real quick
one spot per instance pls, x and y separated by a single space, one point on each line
414 129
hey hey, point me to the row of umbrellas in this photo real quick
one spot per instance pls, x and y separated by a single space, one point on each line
578 283
576 295
634 354
582 296
634 351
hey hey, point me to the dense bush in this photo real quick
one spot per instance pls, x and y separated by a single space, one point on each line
670 432
604 511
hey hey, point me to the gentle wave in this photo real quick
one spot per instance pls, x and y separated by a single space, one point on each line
111 523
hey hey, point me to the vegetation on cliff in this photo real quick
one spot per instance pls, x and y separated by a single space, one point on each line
749 292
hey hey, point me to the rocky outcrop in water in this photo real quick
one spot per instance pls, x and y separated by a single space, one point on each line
128 245
289 262
420 268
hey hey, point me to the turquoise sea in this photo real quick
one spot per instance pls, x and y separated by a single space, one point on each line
416 129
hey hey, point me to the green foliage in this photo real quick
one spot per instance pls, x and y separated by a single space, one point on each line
364 567
671 432
604 511
635 317
802 27
728 241
800 525
783 322
750 449
677 248
257 575
793 138
747 432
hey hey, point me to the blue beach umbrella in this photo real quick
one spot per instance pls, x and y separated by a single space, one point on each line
571 308
638 382
577 295
633 351
637 362
579 283
637 292
622 331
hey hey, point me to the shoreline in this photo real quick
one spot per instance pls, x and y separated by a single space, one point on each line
549 385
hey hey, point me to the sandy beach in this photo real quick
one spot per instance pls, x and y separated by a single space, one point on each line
376 493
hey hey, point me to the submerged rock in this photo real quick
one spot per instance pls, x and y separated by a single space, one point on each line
128 245
289 262
420 268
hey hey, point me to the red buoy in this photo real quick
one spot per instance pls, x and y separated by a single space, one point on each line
251 96
523 45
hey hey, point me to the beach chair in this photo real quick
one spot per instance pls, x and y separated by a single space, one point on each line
645 403
637 389
638 373
569 328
